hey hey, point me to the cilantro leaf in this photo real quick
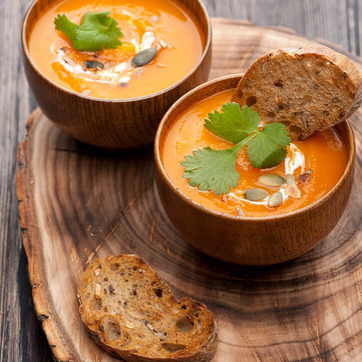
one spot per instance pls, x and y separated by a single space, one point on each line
233 124
97 31
267 149
63 24
203 169
214 170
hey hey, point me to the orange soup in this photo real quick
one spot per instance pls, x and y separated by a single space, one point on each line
159 24
316 164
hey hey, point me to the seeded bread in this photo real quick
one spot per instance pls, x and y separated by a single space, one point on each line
131 313
308 89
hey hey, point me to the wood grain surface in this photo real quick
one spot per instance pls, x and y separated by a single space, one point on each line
77 203
21 336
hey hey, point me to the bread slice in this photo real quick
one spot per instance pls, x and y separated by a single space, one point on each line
132 314
308 89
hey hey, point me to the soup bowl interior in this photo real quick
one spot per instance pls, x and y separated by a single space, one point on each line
111 123
248 240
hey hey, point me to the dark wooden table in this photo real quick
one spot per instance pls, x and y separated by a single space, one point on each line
21 337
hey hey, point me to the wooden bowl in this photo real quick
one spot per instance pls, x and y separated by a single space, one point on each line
114 124
249 240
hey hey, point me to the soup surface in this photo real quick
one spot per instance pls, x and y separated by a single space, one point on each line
162 24
324 154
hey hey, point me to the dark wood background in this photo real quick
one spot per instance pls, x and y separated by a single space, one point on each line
21 337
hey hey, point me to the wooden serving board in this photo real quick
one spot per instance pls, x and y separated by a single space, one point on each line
77 202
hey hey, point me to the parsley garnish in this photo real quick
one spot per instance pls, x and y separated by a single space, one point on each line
213 170
96 32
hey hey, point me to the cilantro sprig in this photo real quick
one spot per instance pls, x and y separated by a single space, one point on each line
214 170
97 31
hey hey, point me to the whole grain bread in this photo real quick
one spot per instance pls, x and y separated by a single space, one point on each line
131 313
308 89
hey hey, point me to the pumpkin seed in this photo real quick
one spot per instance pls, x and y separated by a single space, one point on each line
92 64
144 57
256 194
275 199
71 62
290 179
293 191
271 179
306 176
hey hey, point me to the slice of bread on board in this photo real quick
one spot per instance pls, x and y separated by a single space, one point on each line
308 89
131 313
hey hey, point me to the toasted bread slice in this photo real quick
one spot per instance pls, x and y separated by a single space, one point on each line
308 89
131 313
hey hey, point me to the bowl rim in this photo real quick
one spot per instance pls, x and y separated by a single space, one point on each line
176 190
116 100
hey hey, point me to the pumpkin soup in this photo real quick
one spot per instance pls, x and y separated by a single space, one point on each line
160 44
311 167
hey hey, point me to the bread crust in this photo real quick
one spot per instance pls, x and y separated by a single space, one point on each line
308 89
116 315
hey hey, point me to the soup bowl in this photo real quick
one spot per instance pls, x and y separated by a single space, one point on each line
244 240
110 123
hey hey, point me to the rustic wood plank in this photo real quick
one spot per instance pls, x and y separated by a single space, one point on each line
325 19
21 338
352 34
336 21
357 15
33 345
230 9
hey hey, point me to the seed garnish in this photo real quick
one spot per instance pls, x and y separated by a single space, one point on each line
293 191
92 64
306 176
255 194
275 199
144 57
271 179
